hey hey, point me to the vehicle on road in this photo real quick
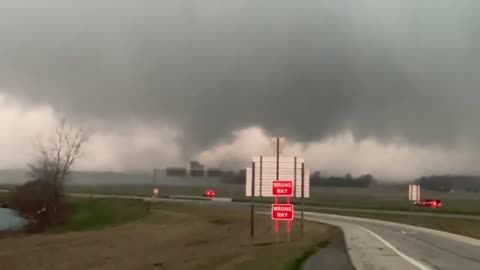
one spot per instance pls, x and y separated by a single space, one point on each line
209 193
434 203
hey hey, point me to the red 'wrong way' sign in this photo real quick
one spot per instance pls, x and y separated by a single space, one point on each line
282 188
282 211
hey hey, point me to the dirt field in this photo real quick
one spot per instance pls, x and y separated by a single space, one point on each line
171 237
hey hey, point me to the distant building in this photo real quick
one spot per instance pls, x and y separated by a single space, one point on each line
176 171
196 166
214 172
197 169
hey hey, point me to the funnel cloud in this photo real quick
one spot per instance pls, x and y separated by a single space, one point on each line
356 86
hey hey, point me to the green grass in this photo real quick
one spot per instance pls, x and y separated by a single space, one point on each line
377 198
99 214
297 263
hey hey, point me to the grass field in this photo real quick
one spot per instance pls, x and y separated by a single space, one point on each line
98 214
170 237
369 198
381 198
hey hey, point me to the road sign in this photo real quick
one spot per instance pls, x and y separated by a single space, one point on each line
282 211
155 191
263 180
282 188
266 173
413 192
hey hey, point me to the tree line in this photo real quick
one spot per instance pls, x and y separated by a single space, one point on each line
446 183
316 179
363 181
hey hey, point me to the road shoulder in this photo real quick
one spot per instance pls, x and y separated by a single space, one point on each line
332 257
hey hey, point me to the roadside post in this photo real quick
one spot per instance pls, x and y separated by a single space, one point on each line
302 201
252 206
413 195
278 177
154 183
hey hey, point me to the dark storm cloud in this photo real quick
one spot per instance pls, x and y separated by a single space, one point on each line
307 69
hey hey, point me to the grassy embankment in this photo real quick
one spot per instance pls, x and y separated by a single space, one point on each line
99 214
171 236
355 198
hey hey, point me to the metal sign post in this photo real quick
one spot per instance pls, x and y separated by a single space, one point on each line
303 205
252 206
278 174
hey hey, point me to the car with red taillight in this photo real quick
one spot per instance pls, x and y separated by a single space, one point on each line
434 203
209 193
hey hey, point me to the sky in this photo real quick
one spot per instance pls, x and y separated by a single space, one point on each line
374 86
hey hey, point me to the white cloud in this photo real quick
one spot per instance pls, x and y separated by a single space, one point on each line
145 147
140 149
247 142
341 154
19 127
126 148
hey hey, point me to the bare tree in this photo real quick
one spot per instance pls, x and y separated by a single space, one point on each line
55 159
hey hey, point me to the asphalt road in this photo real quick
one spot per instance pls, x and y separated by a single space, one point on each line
381 245
425 214
375 245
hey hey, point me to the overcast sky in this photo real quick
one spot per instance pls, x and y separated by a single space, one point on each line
383 87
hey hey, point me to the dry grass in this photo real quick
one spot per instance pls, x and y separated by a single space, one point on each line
171 237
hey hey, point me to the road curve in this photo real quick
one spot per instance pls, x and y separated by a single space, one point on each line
375 245
392 212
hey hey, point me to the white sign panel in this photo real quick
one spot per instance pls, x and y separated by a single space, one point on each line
413 192
266 173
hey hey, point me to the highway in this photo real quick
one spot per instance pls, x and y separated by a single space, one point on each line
374 244
307 207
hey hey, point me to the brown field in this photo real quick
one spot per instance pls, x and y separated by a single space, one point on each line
171 237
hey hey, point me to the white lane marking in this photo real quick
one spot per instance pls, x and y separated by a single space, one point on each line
399 253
